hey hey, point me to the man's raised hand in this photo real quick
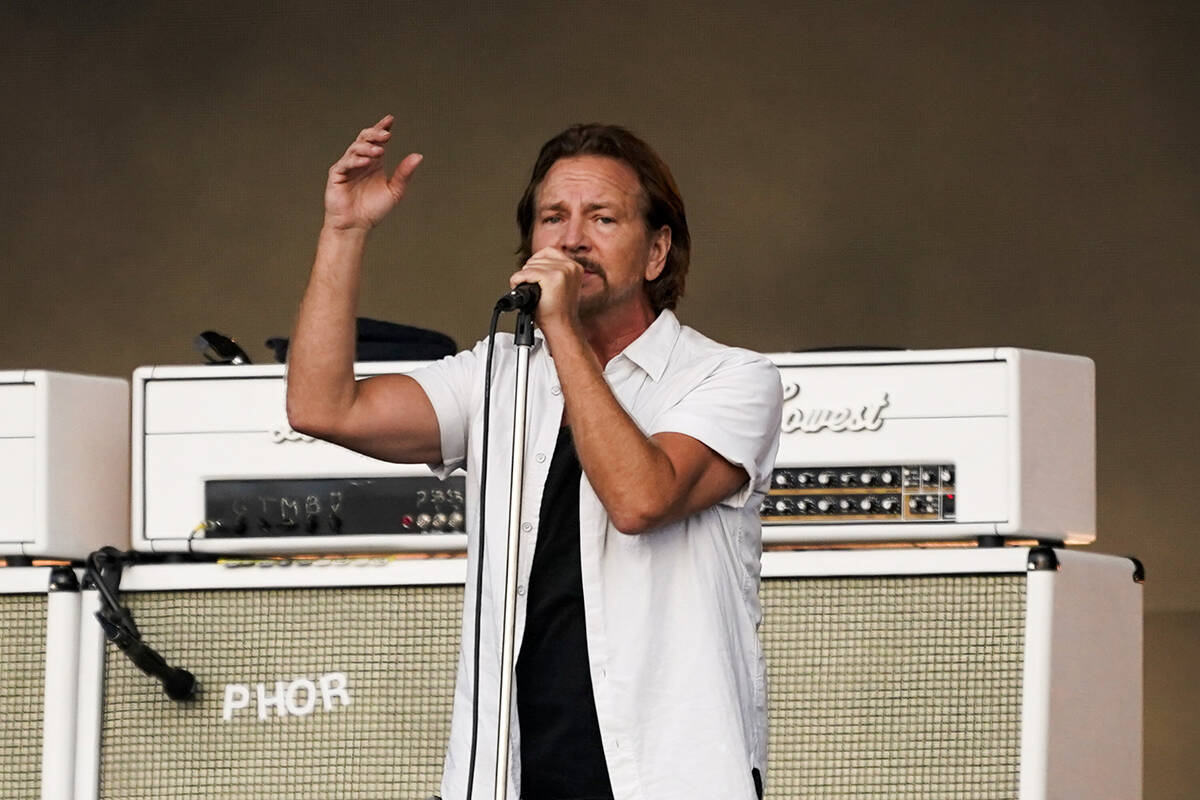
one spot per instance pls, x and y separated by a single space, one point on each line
358 193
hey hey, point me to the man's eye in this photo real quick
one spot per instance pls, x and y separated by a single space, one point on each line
606 220
551 219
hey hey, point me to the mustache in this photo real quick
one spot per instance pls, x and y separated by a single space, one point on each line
589 265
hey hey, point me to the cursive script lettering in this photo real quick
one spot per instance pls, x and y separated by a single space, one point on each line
865 417
284 433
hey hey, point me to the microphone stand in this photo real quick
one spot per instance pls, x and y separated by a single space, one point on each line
523 341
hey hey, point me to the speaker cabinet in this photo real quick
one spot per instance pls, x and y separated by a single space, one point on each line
38 660
967 673
938 673
318 679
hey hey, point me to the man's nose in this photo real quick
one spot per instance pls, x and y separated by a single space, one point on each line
574 236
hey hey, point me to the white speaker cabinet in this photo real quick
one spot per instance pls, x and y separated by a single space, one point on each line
328 679
1010 673
64 464
974 673
39 609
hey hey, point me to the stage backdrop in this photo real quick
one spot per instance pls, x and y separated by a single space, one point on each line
940 174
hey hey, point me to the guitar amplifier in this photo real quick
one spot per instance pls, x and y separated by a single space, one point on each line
38 662
929 445
217 469
64 463
904 673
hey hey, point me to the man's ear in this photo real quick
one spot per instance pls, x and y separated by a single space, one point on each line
660 245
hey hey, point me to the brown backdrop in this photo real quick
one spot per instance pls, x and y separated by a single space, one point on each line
935 174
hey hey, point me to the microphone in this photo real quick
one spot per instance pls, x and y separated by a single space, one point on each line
524 297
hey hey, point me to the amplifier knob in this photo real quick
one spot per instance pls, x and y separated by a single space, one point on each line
915 505
887 477
866 479
846 505
867 505
825 478
847 478
439 522
784 507
824 505
424 521
928 476
947 475
783 479
889 504
803 479
456 521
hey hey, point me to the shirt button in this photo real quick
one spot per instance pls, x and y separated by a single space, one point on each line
521 590
526 526
555 389
541 458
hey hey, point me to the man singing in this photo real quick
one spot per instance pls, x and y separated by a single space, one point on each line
639 673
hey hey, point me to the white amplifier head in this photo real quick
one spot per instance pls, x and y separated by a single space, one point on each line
217 469
926 445
64 463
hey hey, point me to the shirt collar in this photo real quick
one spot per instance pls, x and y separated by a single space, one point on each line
652 349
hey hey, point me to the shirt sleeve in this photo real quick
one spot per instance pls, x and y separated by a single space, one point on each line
735 409
450 384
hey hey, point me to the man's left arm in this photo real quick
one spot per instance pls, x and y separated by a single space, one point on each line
643 481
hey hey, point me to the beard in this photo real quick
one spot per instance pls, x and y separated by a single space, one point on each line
603 298
594 304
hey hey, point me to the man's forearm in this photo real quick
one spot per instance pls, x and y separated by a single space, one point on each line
634 478
321 384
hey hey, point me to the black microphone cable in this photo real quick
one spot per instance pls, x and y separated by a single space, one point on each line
103 571
487 414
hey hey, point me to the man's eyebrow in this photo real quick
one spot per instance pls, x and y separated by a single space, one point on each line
561 206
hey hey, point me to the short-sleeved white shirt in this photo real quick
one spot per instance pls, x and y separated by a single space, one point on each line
672 614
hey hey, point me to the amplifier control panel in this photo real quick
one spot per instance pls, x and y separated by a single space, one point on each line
333 506
833 494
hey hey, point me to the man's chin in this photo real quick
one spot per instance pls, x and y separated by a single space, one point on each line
592 305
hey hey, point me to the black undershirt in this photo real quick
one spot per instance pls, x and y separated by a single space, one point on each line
561 754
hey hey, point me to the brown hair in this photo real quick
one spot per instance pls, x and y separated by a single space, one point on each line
663 204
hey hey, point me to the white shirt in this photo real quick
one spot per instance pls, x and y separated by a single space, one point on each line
672 614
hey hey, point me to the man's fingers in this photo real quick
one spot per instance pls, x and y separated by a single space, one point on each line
340 172
405 169
374 134
360 148
352 160
545 268
554 258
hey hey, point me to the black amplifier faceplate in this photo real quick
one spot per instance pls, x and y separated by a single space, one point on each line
333 506
888 493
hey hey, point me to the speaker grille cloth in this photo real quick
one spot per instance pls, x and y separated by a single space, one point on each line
897 687
23 665
396 645
878 687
